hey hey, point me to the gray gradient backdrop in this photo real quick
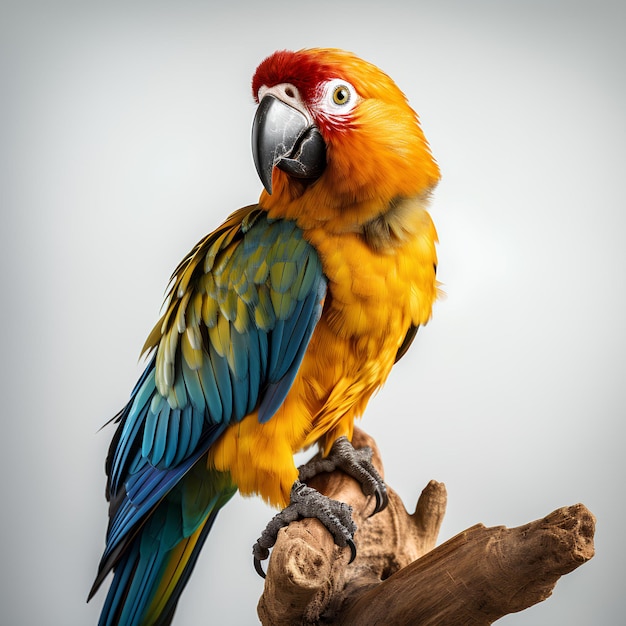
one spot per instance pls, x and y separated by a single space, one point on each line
125 138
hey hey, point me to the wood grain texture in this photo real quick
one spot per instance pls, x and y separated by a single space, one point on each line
399 577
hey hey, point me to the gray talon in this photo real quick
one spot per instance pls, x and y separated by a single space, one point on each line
307 502
382 499
357 463
352 551
258 567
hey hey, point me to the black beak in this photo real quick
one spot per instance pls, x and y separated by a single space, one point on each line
283 137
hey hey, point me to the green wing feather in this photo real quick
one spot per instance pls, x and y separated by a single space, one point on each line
241 309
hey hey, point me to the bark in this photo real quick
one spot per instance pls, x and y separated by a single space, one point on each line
399 577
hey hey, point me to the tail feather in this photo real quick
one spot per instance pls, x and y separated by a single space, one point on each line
119 589
177 574
158 557
147 584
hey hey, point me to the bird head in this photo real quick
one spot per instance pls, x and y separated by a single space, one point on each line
334 132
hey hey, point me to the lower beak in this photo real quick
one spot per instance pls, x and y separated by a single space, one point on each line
283 137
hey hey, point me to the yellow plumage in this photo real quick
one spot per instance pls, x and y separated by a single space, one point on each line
367 219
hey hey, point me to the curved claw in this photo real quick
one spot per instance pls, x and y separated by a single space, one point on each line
352 550
382 499
258 567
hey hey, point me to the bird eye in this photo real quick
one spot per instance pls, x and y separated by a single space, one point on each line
341 95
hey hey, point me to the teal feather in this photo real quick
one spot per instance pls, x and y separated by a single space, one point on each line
240 345
240 399
275 344
145 391
284 305
197 431
254 373
173 443
184 434
264 315
208 380
157 402
292 335
180 393
242 308
160 436
282 275
224 386
149 433
308 277
193 385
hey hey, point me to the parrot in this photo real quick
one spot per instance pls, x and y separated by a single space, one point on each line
277 329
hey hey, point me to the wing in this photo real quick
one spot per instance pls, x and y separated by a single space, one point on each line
241 309
410 335
406 342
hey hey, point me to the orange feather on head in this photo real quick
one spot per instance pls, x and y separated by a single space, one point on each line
376 152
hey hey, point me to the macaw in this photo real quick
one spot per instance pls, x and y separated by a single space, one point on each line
279 326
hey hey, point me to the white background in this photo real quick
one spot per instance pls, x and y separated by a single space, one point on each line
125 138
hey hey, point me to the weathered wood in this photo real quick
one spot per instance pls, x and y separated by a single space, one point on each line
399 577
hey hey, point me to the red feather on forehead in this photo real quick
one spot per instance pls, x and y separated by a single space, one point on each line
302 69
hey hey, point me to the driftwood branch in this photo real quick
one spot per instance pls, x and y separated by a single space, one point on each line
399 577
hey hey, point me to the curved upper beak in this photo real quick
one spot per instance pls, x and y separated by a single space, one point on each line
283 137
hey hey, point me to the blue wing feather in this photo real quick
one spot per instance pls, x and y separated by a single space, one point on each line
254 291
173 442
280 385
208 381
194 386
221 375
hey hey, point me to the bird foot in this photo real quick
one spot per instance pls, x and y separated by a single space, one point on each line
357 463
334 515
307 502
